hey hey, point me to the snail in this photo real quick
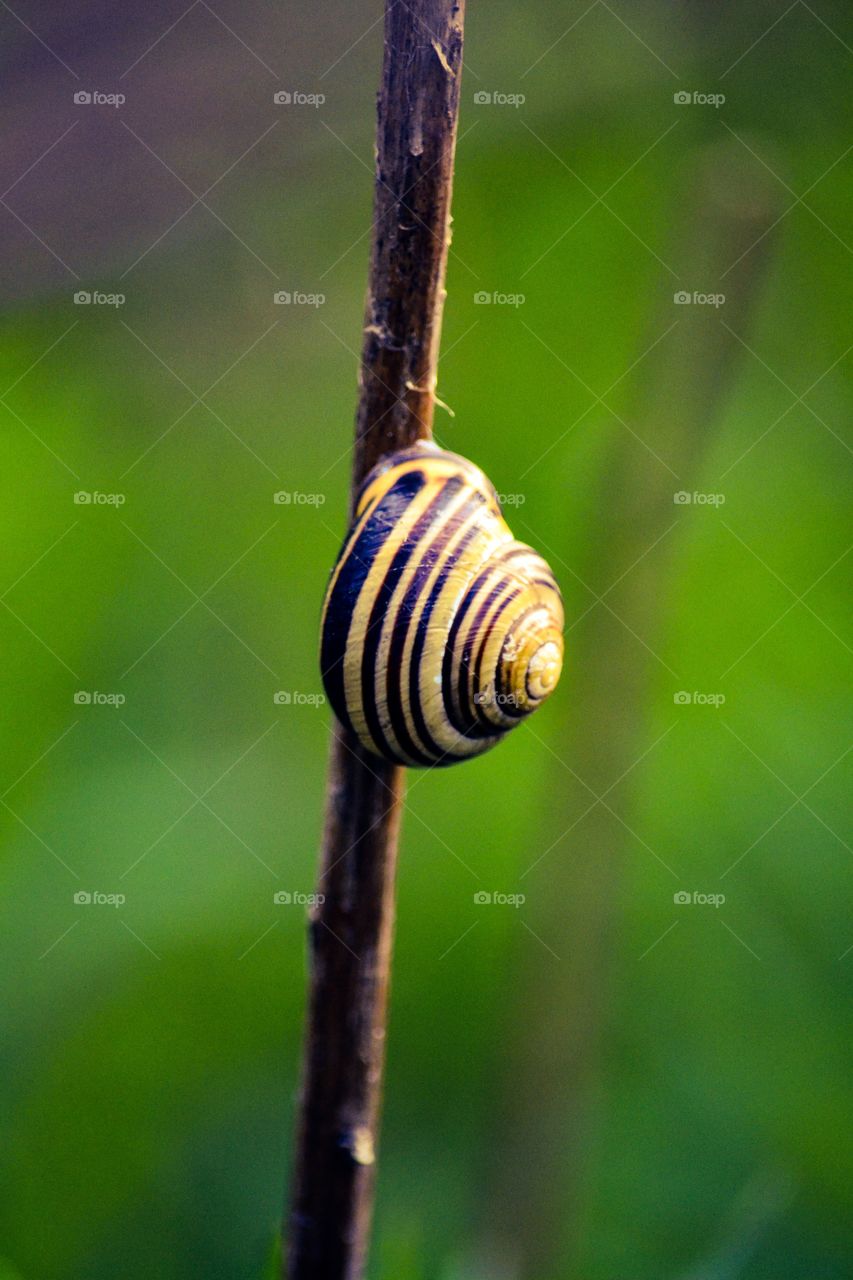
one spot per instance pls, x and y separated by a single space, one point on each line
440 632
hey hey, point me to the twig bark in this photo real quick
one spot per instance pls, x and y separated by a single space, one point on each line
351 932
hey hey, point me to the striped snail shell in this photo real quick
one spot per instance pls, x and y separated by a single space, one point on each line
440 631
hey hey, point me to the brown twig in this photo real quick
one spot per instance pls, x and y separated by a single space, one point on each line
351 931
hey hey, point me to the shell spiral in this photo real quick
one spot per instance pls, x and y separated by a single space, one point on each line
440 631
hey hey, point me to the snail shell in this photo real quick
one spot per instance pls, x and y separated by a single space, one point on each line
440 631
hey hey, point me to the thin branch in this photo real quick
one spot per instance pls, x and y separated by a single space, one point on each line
351 931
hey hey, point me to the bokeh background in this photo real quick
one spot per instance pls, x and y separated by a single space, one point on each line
602 1080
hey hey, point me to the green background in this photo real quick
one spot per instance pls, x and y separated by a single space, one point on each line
601 1082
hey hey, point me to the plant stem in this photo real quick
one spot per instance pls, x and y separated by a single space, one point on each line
351 931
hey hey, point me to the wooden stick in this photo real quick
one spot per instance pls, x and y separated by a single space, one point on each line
351 931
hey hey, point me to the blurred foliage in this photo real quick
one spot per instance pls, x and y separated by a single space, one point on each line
151 1051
